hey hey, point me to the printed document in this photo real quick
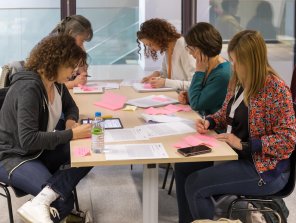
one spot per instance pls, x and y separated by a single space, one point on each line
165 129
127 134
135 151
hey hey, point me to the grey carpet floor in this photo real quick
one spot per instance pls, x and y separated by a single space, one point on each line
114 194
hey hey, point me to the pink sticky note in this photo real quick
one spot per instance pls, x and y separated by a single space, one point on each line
147 86
151 111
173 108
85 88
111 101
181 144
159 98
81 151
209 140
193 141
185 108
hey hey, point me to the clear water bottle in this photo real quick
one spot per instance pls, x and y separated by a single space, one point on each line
97 134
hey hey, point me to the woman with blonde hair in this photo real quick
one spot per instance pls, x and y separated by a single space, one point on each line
259 117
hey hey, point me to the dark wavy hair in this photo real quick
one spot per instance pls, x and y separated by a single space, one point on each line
160 32
206 37
52 52
74 25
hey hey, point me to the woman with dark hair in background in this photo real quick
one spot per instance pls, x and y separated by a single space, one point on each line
158 35
80 28
263 21
212 72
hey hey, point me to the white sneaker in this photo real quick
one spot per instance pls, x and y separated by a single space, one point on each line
35 213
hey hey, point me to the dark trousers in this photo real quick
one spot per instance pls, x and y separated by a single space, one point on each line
196 183
33 175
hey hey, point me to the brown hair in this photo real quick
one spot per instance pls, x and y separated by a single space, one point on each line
52 52
249 48
74 25
206 37
158 31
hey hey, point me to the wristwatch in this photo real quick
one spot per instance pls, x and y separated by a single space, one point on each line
245 145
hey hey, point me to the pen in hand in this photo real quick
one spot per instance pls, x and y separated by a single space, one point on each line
203 116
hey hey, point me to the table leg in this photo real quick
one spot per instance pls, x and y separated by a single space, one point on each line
150 193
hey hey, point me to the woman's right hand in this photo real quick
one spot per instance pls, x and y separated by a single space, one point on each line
183 98
147 78
82 131
202 125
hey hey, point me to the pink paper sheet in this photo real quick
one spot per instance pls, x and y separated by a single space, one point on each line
147 86
81 151
111 101
197 139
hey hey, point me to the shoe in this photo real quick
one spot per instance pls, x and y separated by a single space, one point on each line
36 213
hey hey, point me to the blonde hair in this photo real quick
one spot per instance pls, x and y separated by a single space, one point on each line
249 48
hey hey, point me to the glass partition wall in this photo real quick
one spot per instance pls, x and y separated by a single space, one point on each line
275 19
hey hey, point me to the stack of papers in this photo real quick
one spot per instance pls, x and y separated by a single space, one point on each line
152 101
143 87
88 89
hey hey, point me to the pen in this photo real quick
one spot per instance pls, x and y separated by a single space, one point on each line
203 116
87 120
183 87
87 75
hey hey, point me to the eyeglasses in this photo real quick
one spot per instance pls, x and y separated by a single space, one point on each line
189 48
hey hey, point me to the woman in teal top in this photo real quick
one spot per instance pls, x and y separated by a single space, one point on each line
212 72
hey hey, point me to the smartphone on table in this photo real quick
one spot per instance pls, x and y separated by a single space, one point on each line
194 150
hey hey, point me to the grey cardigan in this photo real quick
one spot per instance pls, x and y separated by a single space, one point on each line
24 118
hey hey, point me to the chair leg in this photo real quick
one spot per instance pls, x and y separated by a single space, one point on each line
166 175
76 200
172 183
9 205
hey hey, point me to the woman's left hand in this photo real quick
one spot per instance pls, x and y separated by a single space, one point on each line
231 140
157 82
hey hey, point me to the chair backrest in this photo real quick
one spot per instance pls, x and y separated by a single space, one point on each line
290 186
8 70
293 87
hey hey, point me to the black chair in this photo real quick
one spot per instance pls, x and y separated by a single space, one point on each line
19 193
269 199
166 177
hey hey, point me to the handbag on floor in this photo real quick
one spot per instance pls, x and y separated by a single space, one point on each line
221 220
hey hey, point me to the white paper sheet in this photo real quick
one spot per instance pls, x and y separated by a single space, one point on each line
135 151
127 134
162 118
165 129
150 101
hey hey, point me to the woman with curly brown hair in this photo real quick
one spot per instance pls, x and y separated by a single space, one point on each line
31 152
158 35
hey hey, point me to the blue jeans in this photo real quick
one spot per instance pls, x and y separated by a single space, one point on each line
33 175
196 183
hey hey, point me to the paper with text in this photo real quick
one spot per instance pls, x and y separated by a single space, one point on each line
135 151
127 134
165 129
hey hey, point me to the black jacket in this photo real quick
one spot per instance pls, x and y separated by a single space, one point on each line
24 118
